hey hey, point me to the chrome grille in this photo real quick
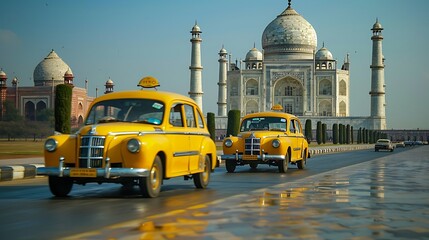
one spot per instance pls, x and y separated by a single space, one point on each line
252 146
91 151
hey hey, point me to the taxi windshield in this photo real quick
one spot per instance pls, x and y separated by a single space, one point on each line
263 124
127 110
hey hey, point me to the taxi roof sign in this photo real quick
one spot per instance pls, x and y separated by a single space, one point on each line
277 107
148 82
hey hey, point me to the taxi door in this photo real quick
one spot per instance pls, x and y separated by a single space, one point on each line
195 136
294 134
179 142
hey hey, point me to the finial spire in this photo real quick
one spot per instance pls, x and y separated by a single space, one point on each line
288 4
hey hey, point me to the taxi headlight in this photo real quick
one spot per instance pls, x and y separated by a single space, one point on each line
133 145
51 145
276 143
228 143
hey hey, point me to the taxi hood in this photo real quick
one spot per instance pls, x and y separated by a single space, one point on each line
261 134
118 128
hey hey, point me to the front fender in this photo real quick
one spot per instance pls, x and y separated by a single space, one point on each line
66 147
151 145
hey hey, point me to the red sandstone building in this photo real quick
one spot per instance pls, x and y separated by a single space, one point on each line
50 72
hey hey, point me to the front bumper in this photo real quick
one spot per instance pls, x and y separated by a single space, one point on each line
263 157
106 172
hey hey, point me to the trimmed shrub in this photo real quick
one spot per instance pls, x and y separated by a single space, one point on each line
233 123
211 125
63 98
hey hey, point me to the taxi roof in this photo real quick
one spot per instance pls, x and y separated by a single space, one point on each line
270 114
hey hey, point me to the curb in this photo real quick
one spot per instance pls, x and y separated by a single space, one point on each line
24 171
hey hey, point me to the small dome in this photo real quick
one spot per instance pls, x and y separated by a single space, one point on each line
50 70
14 80
109 82
254 54
196 28
68 72
223 51
324 54
377 26
2 74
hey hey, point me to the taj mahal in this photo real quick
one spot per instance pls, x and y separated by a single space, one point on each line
292 73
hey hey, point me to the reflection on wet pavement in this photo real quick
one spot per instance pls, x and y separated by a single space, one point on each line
383 199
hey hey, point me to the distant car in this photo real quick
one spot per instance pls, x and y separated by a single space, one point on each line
400 145
138 137
272 138
384 144
408 143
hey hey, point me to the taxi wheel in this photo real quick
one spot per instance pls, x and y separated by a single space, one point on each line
60 186
150 186
302 163
283 165
253 165
201 180
230 165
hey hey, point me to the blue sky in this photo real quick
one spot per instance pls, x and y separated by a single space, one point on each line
126 40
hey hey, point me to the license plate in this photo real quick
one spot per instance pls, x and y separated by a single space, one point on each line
83 172
250 157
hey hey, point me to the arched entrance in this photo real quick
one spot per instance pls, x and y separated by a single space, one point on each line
288 92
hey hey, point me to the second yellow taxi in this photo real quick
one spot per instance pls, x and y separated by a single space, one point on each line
272 138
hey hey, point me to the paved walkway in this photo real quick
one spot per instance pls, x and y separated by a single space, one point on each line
386 198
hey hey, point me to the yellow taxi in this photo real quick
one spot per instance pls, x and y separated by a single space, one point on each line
273 138
139 137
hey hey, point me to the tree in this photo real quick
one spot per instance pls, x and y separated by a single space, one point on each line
233 123
10 112
340 134
319 132
63 97
324 133
308 130
335 133
211 125
352 138
347 134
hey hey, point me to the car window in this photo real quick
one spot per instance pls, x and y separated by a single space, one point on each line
190 117
200 120
292 126
176 118
263 124
297 126
127 110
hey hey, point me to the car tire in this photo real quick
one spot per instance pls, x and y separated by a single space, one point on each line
202 179
303 163
150 186
230 165
283 165
60 186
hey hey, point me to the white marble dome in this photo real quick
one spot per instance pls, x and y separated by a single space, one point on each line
289 33
254 54
50 70
324 54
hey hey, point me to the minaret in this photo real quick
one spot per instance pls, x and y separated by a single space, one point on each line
378 98
68 78
196 89
109 86
3 88
223 64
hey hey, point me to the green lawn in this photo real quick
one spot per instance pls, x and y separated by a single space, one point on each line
20 148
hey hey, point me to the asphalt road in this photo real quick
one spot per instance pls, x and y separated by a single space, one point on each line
29 211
